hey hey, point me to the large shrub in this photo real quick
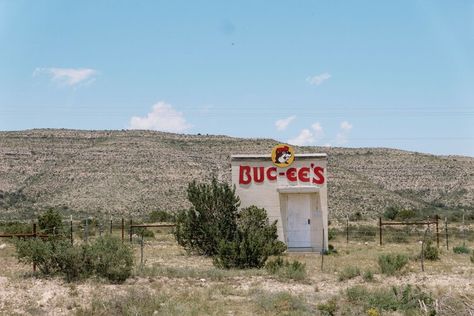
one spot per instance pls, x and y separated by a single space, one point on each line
212 217
254 241
111 259
214 227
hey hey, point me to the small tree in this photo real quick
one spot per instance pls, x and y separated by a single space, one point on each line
211 218
51 222
255 240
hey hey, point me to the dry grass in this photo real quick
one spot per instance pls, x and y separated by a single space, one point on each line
173 282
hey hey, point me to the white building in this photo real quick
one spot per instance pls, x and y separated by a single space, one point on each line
293 192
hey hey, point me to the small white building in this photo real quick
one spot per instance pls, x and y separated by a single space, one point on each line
293 190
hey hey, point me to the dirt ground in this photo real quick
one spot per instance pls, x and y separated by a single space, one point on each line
190 284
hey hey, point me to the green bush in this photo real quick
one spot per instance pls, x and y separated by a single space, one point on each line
332 234
329 308
285 269
331 250
348 273
214 227
390 213
111 259
106 257
51 222
161 216
430 252
212 217
390 264
254 241
461 249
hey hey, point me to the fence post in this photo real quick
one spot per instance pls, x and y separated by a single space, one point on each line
70 231
86 230
446 231
141 252
131 230
111 226
380 230
347 230
437 231
123 229
463 231
322 253
34 236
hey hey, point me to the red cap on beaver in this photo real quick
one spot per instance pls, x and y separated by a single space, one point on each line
282 149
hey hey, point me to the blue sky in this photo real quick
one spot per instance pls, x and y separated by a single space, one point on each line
394 74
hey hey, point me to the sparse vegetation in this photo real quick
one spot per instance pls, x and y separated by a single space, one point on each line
461 249
368 276
391 264
406 299
329 308
285 269
348 272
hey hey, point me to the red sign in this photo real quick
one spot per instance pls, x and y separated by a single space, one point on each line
247 174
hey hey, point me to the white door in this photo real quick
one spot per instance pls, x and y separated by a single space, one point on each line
299 225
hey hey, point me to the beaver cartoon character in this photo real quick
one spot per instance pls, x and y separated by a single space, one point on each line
283 154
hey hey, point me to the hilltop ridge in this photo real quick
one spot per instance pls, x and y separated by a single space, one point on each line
135 172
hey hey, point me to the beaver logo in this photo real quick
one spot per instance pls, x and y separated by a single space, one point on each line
282 155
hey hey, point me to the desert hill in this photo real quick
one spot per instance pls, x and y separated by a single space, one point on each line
135 172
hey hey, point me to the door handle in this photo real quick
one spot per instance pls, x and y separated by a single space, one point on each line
309 221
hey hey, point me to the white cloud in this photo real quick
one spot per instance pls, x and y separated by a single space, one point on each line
67 76
346 126
305 138
318 130
283 123
318 79
343 135
163 117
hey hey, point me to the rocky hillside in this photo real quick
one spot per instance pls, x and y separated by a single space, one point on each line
134 172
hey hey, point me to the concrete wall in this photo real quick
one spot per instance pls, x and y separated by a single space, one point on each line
270 194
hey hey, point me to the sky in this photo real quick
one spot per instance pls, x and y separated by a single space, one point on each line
396 74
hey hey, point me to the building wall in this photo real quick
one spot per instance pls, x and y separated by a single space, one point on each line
270 194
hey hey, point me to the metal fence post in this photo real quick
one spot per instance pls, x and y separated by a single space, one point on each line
141 252
437 231
322 253
380 230
70 231
347 230
34 236
86 230
446 232
131 230
123 229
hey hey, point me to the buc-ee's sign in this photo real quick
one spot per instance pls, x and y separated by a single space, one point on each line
282 156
